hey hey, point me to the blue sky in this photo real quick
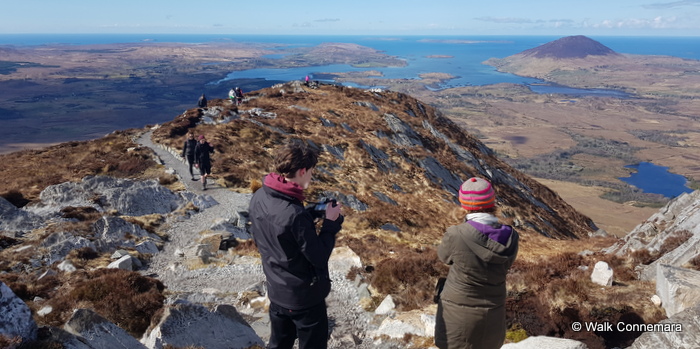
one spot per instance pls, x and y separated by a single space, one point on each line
357 17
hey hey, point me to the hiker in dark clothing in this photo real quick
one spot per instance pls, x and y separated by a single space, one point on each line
201 156
188 152
294 256
202 102
239 96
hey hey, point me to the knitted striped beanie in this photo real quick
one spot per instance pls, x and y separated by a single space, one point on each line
477 194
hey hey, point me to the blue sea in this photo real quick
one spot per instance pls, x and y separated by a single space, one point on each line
465 54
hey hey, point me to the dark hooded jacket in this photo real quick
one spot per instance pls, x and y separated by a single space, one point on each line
201 154
188 149
294 256
474 295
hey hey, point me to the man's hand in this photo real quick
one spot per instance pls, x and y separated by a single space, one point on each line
333 211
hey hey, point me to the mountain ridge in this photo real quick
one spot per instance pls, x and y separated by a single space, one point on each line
373 142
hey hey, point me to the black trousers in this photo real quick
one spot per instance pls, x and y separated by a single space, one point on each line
309 325
190 162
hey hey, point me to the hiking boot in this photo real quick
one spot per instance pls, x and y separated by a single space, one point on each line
204 184
194 179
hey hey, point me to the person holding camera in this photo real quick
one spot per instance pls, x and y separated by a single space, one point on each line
294 255
471 308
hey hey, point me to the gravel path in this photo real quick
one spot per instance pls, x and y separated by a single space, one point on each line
217 283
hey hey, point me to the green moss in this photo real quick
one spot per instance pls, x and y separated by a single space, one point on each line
516 334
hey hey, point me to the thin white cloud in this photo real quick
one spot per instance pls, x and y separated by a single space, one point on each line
328 20
635 23
504 19
666 5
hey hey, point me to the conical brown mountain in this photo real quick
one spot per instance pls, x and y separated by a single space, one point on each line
395 162
577 46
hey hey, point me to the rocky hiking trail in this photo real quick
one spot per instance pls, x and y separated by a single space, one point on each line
226 280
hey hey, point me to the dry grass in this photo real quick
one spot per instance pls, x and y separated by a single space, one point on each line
695 263
34 170
410 277
247 248
676 239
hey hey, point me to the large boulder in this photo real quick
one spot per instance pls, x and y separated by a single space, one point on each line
602 274
185 324
98 332
679 288
409 323
343 259
680 331
15 316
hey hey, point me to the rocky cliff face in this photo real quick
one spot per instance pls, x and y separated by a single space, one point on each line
668 247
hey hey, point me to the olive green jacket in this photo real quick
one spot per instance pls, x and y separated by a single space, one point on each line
478 266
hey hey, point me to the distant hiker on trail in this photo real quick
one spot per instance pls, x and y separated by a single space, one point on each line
239 96
294 256
471 308
306 81
202 102
188 151
232 96
201 155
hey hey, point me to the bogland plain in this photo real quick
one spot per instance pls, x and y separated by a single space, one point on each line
575 125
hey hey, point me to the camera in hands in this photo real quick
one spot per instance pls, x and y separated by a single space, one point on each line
318 210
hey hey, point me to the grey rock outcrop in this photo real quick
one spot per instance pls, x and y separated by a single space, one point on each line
98 332
542 342
184 324
681 331
128 197
404 135
678 288
15 220
216 115
682 214
58 245
15 316
113 232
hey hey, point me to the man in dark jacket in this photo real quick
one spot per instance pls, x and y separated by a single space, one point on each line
202 102
294 255
201 156
188 152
